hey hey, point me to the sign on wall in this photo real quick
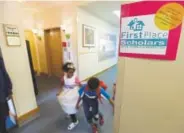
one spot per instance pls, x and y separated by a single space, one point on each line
152 32
12 35
107 46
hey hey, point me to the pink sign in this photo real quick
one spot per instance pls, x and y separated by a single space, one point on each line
145 35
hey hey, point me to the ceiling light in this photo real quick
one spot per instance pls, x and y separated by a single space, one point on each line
117 13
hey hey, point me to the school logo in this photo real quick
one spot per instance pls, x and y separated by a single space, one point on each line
136 25
141 34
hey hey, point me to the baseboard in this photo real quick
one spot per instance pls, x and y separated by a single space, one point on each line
95 75
28 117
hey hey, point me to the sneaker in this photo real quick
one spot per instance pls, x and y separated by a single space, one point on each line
95 128
101 120
73 125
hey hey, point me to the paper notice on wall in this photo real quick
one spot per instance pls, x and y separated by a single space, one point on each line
152 33
12 113
169 16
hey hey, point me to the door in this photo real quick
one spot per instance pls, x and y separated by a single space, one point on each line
54 51
31 67
33 49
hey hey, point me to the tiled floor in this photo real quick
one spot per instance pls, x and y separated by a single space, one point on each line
52 119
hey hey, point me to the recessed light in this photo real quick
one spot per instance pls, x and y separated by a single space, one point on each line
117 13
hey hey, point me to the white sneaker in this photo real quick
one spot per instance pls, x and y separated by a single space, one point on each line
73 125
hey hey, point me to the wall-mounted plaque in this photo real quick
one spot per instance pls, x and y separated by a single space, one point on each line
12 35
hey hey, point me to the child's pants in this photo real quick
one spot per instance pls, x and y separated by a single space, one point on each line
73 118
91 109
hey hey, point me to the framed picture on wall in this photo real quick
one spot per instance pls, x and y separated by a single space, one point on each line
107 46
88 36
12 35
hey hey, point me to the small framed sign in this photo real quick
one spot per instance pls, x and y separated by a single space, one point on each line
12 35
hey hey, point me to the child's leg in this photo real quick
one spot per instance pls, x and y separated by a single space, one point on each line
74 123
89 117
101 119
93 124
73 118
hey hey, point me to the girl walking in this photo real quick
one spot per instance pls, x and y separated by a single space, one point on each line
68 95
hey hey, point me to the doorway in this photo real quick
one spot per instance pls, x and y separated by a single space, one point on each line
31 67
45 56
54 51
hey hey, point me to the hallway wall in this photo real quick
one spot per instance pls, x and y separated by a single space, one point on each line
88 63
16 60
150 95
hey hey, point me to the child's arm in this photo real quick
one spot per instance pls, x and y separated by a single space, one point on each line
61 86
107 96
111 102
81 93
59 92
78 82
78 102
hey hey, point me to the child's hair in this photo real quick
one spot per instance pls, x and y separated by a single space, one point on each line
68 66
93 83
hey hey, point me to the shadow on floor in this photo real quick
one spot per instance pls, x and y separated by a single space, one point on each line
52 118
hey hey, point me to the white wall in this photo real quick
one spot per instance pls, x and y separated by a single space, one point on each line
16 60
88 64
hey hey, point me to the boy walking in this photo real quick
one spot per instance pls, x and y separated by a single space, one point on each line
90 94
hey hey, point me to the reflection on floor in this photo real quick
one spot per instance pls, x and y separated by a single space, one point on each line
52 119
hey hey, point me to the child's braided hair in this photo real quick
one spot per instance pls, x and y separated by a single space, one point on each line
67 66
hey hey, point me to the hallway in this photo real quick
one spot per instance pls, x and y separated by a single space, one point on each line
52 118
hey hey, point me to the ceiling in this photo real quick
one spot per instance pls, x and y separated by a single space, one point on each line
42 5
101 9
104 10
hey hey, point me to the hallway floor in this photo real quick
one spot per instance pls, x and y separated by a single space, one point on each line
52 118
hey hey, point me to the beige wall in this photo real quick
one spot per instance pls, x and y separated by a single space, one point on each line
88 63
150 96
16 60
69 19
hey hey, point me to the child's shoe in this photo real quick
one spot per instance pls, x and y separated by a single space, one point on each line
73 125
95 128
101 120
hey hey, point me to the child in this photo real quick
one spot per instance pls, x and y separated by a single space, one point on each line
90 94
69 95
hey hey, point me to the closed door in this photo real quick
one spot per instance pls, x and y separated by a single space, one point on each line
54 51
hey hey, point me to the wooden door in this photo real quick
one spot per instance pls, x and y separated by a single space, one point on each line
30 37
54 51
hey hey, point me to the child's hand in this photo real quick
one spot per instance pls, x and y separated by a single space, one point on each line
58 93
77 106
